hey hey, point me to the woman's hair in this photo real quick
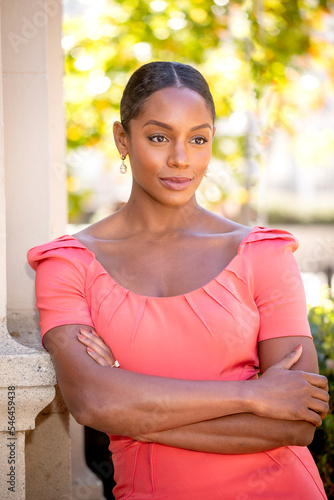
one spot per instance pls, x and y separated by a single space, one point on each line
158 75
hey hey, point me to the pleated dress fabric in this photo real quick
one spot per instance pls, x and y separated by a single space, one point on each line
210 333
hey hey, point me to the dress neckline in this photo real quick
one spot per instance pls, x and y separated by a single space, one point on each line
154 297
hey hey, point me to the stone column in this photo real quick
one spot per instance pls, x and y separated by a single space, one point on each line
35 449
34 136
27 386
32 210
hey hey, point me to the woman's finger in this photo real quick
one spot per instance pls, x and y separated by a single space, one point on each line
290 359
313 418
93 346
99 353
321 394
95 338
316 380
319 407
97 358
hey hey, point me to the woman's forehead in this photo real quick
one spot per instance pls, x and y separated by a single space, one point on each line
175 102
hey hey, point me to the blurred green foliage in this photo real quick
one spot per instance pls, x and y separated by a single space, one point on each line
252 54
321 319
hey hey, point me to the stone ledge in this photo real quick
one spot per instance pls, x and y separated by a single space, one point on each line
31 373
29 401
23 366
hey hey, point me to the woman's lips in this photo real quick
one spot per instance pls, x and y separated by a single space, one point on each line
176 183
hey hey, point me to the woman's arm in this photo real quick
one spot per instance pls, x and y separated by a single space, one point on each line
249 433
132 404
234 434
122 402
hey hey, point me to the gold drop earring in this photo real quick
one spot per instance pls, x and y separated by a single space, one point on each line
123 168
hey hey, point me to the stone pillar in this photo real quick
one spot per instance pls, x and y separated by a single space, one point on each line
35 449
34 136
27 385
32 211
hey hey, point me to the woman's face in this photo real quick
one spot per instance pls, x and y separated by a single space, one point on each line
169 145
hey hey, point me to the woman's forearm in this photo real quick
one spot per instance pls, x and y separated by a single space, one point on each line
118 401
122 402
135 404
140 404
235 434
129 403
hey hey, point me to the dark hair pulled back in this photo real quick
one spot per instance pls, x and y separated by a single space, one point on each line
158 75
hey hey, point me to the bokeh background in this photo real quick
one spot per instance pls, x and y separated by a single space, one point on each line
270 67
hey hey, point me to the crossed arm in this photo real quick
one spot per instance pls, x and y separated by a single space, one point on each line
247 432
281 408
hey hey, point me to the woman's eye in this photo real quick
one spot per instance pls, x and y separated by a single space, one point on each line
157 138
199 140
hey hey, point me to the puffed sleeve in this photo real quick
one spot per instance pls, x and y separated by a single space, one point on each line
278 288
60 283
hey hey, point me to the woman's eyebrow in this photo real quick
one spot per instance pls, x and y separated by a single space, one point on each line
168 127
204 125
160 124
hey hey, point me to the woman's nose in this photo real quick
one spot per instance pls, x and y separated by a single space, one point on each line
178 157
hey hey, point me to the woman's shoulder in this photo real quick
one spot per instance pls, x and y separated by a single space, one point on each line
63 248
272 237
79 244
216 224
256 238
108 228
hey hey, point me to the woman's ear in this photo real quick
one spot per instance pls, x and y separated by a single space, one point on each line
121 138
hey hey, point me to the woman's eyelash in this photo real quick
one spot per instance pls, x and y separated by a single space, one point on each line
156 136
204 139
160 136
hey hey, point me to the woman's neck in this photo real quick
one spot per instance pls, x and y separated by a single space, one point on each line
147 214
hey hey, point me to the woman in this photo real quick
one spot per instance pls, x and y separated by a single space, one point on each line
193 307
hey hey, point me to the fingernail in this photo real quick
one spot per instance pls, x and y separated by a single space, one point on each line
81 336
298 347
89 349
83 331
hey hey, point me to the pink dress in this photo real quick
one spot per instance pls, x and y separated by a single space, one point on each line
208 334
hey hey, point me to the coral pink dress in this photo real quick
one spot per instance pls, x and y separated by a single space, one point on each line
208 334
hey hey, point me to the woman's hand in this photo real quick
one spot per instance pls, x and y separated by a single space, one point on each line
96 348
280 393
290 394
